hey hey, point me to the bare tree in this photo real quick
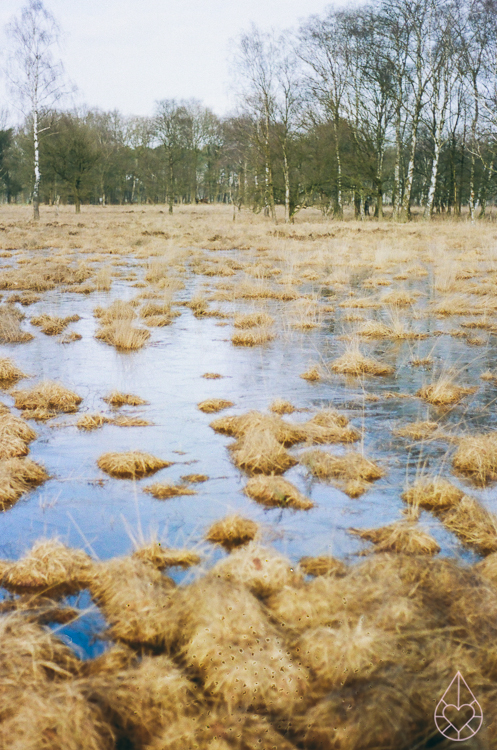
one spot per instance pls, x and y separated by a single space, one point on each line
36 78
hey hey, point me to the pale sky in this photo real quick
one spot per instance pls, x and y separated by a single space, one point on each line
125 54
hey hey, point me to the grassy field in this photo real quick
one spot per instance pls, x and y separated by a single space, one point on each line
375 348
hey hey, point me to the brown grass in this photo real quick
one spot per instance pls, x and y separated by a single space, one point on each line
238 426
280 406
353 362
10 328
194 478
253 320
328 426
49 568
163 491
25 299
123 335
131 464
92 422
125 421
119 310
232 531
418 430
212 405
9 373
276 491
52 325
312 374
117 399
322 565
444 392
15 434
354 472
252 336
476 458
46 399
433 494
17 477
402 536
475 526
212 375
69 337
162 557
259 452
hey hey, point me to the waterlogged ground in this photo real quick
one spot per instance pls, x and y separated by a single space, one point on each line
85 508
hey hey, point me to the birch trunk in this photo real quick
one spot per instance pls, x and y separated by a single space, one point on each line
433 181
398 156
36 186
338 207
286 171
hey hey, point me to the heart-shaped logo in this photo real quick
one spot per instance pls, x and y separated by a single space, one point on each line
458 717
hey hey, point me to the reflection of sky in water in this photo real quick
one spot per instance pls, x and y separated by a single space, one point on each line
86 508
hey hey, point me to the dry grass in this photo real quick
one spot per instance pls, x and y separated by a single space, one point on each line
52 325
162 557
212 405
15 434
117 399
125 421
328 426
212 375
163 491
475 526
123 335
50 568
232 532
353 362
402 536
90 422
117 311
17 477
25 299
253 421
418 430
252 336
444 392
131 464
312 374
46 399
194 478
9 373
253 320
476 458
280 406
433 494
259 452
354 471
322 565
10 326
276 491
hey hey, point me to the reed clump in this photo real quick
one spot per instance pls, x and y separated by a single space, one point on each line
15 435
313 374
212 405
123 335
52 325
476 458
281 406
253 320
90 422
353 362
163 491
10 326
418 430
46 399
276 491
9 373
17 477
259 452
119 310
118 399
232 532
354 472
433 494
444 392
131 464
322 565
252 336
50 568
163 557
403 536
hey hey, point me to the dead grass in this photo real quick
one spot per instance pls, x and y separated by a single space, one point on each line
90 422
475 526
123 335
17 477
15 435
322 565
52 325
10 327
402 536
119 310
312 374
476 458
280 406
418 430
194 478
433 494
276 491
212 405
118 399
162 557
353 362
232 532
259 452
125 421
163 491
131 464
25 298
354 472
252 336
9 373
329 426
253 320
212 375
46 399
444 392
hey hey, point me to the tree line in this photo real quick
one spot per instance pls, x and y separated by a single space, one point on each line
393 103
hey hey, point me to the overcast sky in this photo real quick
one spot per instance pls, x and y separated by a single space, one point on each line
125 54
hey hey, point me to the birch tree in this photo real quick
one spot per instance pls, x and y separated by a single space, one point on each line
35 76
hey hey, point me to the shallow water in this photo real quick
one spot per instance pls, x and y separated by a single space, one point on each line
86 508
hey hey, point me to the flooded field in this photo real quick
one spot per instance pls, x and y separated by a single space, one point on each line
332 387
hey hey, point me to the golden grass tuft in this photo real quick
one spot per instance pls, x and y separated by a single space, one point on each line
328 426
322 565
49 568
418 430
312 374
125 421
90 422
232 532
131 464
476 458
212 405
9 373
353 470
10 328
259 452
252 336
123 335
276 491
47 396
119 310
52 325
18 476
475 526
403 536
238 426
444 392
194 478
253 320
15 434
280 406
162 557
263 571
353 362
433 494
117 399
212 375
163 491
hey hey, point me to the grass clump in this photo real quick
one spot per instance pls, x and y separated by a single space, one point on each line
475 526
312 374
15 434
354 472
253 320
433 494
212 405
17 477
163 491
322 565
52 325
403 536
280 406
276 491
162 557
194 478
232 532
123 335
353 362
125 421
476 458
444 392
259 452
212 375
117 399
46 399
252 336
10 328
418 430
131 464
328 426
9 373
90 422
49 568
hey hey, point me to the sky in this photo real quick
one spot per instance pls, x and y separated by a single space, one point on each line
126 54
